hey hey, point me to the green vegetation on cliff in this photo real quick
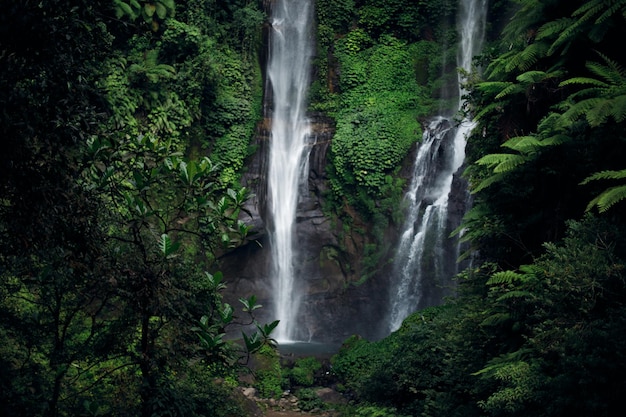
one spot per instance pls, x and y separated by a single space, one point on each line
537 327
126 125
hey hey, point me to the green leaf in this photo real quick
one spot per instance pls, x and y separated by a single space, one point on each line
161 11
215 281
608 198
250 303
226 313
504 277
167 247
149 9
268 328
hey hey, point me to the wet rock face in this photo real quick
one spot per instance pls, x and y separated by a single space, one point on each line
332 307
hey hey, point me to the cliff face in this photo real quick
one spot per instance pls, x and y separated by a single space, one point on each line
332 306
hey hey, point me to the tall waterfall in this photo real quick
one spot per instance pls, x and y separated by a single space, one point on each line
426 256
288 72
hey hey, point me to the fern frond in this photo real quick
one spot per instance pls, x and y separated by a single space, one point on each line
599 113
566 36
505 277
510 89
530 77
490 108
579 109
612 72
533 53
523 144
590 7
493 88
555 140
501 162
487 182
526 58
495 319
608 198
553 28
605 175
583 81
619 108
529 270
619 5
514 294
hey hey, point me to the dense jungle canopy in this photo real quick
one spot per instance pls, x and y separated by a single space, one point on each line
126 125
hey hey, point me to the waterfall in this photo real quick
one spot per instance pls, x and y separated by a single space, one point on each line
425 261
288 72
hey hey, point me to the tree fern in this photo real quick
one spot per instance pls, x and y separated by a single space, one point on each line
526 58
496 319
523 144
606 96
619 108
487 182
611 196
501 162
608 198
505 277
490 108
592 8
493 88
553 28
511 88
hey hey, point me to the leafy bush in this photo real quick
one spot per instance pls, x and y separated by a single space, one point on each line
379 121
308 400
268 375
303 371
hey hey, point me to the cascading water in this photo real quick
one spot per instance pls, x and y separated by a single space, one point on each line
288 72
426 255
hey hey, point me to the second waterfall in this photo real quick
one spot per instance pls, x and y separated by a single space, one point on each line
288 73
426 257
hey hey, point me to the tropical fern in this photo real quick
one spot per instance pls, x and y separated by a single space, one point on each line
529 56
487 182
501 162
553 28
611 196
602 99
590 19
505 277
592 8
510 89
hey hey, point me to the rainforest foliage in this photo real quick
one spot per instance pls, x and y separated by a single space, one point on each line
380 64
125 127
537 327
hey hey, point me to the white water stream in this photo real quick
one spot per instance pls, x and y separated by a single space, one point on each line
288 72
424 249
